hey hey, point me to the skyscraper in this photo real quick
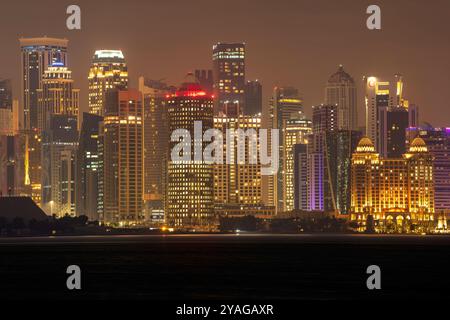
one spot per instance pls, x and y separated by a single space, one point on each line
156 135
253 98
59 144
57 95
300 177
229 73
340 145
37 55
190 184
284 104
393 125
320 179
438 144
296 131
381 97
108 71
238 183
341 91
122 158
87 167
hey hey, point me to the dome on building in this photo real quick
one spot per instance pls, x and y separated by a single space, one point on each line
418 145
340 76
365 145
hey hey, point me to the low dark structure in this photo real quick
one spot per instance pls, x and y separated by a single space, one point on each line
21 207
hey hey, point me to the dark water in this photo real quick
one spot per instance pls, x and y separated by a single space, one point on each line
219 267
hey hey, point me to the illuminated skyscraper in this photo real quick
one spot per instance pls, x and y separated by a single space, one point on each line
320 178
285 104
238 183
59 144
108 71
57 95
397 193
341 91
381 98
37 55
229 73
87 167
296 131
190 183
438 144
340 145
300 177
122 158
156 135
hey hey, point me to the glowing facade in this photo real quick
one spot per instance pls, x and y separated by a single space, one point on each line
229 73
122 158
189 200
393 193
296 131
57 95
108 71
238 183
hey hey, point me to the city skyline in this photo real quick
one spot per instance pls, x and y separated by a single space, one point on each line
304 63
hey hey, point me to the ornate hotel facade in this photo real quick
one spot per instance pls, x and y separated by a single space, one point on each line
394 194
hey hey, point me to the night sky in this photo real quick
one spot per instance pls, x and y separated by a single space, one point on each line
298 43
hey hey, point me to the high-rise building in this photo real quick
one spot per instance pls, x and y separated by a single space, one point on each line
5 94
59 144
383 97
57 95
156 135
393 125
397 193
300 177
341 91
122 158
189 198
253 98
87 167
238 183
229 74
108 71
296 131
285 104
206 80
340 145
320 178
37 55
438 144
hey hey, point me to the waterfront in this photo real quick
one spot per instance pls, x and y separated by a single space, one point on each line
224 267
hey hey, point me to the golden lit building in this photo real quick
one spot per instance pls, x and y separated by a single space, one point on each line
238 183
108 71
189 200
122 158
57 95
397 193
295 131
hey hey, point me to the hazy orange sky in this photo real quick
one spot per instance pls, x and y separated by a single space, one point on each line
298 43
